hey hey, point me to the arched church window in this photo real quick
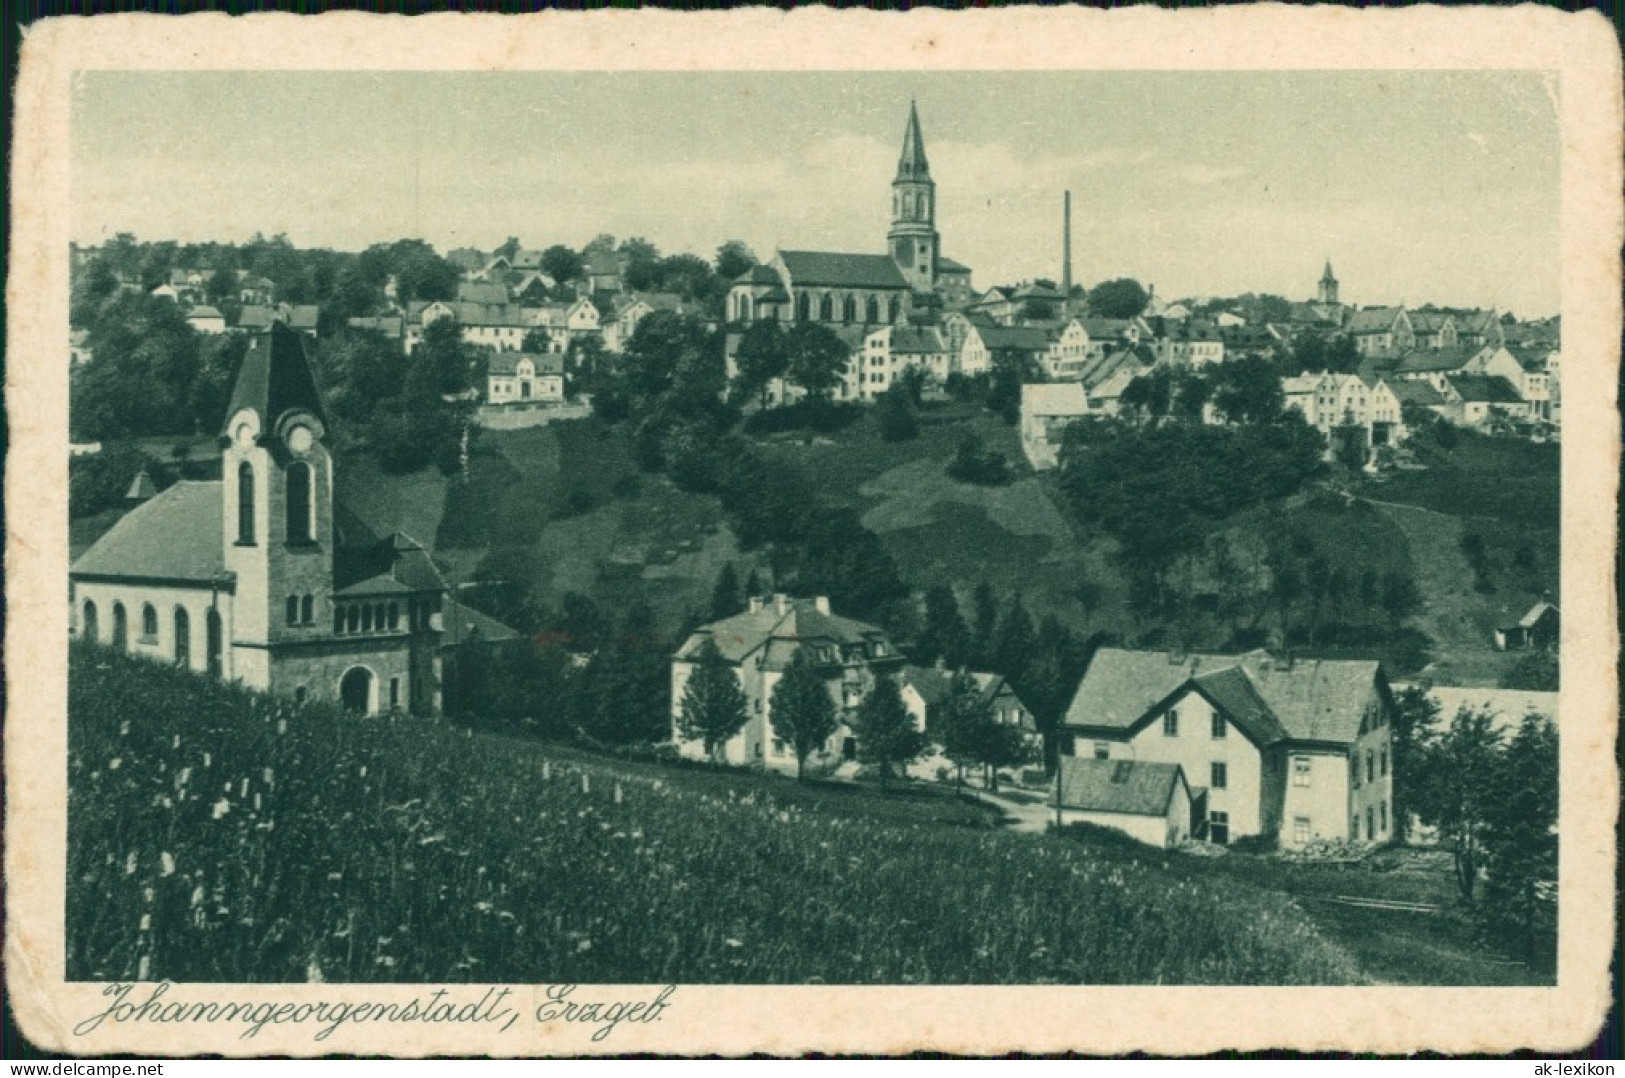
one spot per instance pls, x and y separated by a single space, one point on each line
245 504
892 311
744 309
394 616
352 620
801 306
849 310
366 618
121 626
300 529
307 610
871 311
183 637
338 620
826 308
88 629
149 622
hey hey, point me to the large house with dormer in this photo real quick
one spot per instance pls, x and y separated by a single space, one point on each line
1295 750
758 645
261 577
912 280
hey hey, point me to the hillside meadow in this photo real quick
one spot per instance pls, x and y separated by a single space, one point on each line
220 835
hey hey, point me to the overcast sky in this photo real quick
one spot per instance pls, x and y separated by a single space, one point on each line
1419 187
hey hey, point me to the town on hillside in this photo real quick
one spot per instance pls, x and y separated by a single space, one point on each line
1256 582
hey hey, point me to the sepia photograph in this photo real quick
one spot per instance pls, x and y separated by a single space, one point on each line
889 527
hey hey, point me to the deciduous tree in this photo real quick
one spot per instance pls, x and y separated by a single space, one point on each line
801 710
714 706
885 729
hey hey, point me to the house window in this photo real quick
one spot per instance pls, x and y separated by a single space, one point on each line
1170 723
1370 831
300 526
299 695
149 622
1300 829
1103 750
1221 776
778 746
245 504
1382 762
1354 828
394 692
1382 817
1218 827
307 610
1300 771
1370 766
293 610
1219 725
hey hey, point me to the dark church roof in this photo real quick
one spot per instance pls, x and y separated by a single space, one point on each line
839 270
275 379
394 565
175 535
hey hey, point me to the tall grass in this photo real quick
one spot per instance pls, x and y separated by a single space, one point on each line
216 834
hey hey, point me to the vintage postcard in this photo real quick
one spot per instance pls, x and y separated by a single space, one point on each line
1023 530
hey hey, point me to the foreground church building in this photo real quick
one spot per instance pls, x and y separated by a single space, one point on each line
260 577
912 280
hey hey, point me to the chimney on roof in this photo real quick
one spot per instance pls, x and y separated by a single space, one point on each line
781 602
821 604
755 604
141 488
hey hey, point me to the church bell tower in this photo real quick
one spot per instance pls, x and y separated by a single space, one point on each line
913 239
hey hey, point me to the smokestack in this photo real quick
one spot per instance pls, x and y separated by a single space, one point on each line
1066 246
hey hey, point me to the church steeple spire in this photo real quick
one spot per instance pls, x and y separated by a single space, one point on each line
913 237
912 165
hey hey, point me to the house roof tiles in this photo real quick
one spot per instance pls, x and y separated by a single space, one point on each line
841 270
174 535
1129 787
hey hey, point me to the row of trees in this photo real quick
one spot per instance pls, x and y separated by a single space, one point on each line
1493 801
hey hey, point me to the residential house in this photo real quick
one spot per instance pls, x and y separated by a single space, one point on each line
1433 365
255 290
206 319
1192 343
1337 403
1434 329
1381 330
1477 400
1152 802
524 378
1480 328
1536 382
890 351
998 305
1294 750
256 318
758 646
602 270
301 317
1416 399
483 293
565 322
925 689
391 326
1539 628
1023 346
629 310
466 259
167 291
1046 411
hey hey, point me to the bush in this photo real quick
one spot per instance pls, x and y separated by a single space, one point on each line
974 463
99 481
812 413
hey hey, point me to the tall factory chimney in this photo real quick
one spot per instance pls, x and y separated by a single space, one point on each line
1066 247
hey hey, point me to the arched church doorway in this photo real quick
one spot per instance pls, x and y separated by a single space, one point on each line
355 689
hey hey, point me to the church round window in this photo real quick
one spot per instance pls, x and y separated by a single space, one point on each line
300 439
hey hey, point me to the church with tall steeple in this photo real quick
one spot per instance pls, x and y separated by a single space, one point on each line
262 577
911 282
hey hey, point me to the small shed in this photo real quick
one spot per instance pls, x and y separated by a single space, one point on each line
1151 802
1536 629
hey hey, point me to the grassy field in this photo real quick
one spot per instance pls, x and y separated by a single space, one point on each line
1508 479
217 835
